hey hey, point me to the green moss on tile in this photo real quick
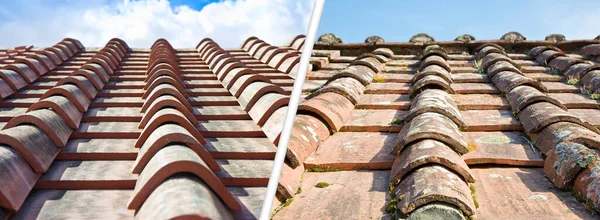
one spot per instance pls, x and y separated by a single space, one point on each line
323 169
322 185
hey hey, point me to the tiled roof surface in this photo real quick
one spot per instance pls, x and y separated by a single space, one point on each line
500 129
155 133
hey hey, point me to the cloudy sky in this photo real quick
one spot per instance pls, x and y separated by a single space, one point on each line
355 20
140 22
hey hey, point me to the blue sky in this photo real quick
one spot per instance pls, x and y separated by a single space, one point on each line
397 21
140 22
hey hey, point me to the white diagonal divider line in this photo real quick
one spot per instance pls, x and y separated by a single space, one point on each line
290 116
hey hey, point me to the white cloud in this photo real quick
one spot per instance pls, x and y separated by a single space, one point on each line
140 23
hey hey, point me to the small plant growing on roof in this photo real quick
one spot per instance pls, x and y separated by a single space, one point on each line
472 187
323 170
572 81
392 206
322 185
432 47
553 71
396 121
477 65
379 78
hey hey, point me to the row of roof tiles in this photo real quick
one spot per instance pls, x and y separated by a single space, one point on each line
169 142
512 36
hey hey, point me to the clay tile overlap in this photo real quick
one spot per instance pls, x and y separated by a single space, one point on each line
361 73
254 91
13 79
273 126
266 105
17 179
200 201
591 81
437 101
308 132
80 81
591 50
61 106
331 107
71 92
539 115
586 183
49 121
167 102
25 71
429 152
433 184
243 81
430 125
162 90
522 96
565 160
566 132
91 76
32 144
435 60
347 87
433 70
431 82
545 57
506 81
387 52
577 71
501 66
564 63
170 134
172 160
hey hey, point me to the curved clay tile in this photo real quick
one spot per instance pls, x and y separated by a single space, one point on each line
76 42
433 100
279 58
437 52
167 102
203 42
5 89
112 50
578 71
591 81
82 82
436 70
555 38
434 184
522 96
64 49
99 70
270 54
266 51
287 66
505 81
492 58
370 62
329 39
13 79
116 49
431 125
465 38
34 64
534 52
49 121
435 60
159 61
121 43
380 58
170 161
18 179
243 81
170 134
587 182
300 148
374 39
547 56
274 125
25 71
361 73
108 60
158 72
421 38
63 107
52 56
164 80
501 66
513 36
162 90
562 64
71 92
387 52
167 116
43 60
429 152
565 132
266 105
32 144
565 160
430 81
179 191
60 53
488 49
217 59
249 42
539 115
255 91
253 50
91 76
72 48
348 87
331 107
226 65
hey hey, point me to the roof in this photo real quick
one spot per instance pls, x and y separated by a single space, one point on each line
498 129
146 133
